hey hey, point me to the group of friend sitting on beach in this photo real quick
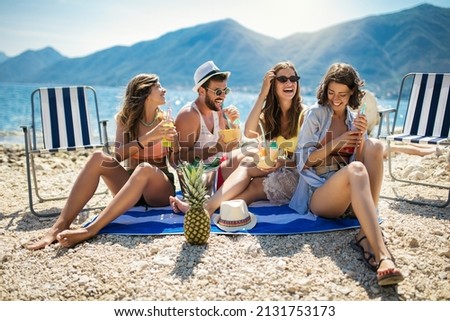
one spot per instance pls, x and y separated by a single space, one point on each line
331 167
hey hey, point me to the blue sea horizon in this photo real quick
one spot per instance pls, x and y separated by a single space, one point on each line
15 106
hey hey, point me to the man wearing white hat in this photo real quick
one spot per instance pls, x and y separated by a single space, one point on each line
200 121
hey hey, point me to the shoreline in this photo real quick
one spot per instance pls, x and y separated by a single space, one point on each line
303 267
11 139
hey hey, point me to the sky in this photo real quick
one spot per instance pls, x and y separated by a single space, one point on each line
77 28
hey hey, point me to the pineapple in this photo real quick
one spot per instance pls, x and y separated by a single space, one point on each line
197 225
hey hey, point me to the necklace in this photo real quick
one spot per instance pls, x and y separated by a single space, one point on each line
151 123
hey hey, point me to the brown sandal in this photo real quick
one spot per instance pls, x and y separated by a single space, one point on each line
367 257
390 276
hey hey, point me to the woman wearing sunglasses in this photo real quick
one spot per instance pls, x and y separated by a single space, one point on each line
275 117
341 167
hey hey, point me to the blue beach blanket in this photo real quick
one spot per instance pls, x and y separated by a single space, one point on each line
271 220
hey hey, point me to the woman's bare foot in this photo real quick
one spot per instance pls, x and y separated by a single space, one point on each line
178 205
46 240
70 238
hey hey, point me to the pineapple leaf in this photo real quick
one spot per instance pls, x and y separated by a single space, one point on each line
193 184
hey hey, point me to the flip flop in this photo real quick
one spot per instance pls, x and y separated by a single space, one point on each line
367 257
390 276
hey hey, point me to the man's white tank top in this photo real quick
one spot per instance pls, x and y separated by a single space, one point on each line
206 138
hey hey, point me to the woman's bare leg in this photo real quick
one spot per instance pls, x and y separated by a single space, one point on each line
373 160
98 165
237 183
234 161
254 191
411 149
146 180
353 185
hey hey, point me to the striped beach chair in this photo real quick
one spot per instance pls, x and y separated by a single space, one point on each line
61 121
427 119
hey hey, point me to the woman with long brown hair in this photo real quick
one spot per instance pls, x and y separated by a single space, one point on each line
145 180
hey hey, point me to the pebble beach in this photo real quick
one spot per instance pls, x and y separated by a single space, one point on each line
304 267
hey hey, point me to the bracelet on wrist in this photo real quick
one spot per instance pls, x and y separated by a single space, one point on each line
139 143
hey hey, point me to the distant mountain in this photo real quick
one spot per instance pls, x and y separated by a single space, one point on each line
27 66
3 57
383 48
173 56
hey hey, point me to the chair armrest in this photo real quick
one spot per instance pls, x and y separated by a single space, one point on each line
384 113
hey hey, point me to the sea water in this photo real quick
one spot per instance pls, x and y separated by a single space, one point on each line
15 106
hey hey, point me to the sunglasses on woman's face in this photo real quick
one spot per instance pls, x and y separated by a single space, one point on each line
284 79
219 92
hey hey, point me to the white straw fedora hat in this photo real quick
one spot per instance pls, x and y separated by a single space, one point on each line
206 71
234 216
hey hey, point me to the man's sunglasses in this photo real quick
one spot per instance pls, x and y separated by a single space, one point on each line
219 92
284 79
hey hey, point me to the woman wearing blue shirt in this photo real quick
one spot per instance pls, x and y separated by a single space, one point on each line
340 166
